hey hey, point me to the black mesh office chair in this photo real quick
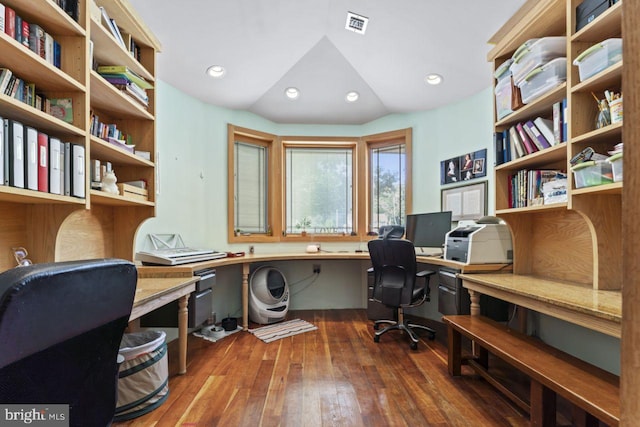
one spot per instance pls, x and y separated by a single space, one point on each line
398 284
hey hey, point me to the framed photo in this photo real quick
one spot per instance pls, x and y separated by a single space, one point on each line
466 167
465 201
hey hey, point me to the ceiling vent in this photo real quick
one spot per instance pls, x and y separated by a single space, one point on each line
356 23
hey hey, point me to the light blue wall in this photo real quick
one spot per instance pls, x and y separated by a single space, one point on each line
192 140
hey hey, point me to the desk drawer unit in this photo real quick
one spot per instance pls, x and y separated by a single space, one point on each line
200 305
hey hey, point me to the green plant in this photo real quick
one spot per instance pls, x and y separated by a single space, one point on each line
304 223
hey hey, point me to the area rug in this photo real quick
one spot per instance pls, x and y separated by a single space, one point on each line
280 330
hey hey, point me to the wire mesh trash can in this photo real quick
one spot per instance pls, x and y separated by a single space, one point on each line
143 378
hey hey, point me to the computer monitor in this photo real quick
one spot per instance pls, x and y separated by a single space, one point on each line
428 230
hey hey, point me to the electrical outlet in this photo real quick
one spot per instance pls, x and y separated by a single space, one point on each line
316 268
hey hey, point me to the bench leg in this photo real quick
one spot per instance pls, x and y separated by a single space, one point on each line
454 357
543 406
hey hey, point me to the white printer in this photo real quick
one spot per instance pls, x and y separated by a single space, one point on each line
487 241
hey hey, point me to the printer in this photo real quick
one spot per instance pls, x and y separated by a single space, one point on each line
487 241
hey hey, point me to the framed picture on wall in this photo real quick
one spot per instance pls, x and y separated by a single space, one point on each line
465 201
466 167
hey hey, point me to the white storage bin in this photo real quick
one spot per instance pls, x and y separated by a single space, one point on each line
598 57
616 166
503 92
542 79
594 172
532 55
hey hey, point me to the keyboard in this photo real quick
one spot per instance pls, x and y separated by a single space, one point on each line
176 256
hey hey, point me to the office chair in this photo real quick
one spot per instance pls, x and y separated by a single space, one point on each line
60 330
396 285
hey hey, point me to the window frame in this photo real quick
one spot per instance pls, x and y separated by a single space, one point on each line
276 212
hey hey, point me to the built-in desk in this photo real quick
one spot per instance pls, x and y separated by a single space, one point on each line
187 270
594 309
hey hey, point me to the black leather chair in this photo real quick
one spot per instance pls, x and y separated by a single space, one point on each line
396 284
60 330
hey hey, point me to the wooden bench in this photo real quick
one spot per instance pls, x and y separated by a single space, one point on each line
595 393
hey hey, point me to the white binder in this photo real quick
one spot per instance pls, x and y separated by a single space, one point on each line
16 153
31 158
77 171
55 176
3 150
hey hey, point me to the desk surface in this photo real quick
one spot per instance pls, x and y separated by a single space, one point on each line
579 304
155 292
188 269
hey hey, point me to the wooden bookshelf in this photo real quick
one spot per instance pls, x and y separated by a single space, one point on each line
578 241
54 227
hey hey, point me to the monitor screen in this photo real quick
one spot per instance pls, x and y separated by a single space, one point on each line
428 230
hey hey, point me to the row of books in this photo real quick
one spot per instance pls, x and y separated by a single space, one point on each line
127 81
526 186
17 88
33 160
124 39
108 131
530 136
71 7
32 36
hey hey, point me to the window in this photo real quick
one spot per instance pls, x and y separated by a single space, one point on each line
329 188
388 185
250 196
251 178
319 190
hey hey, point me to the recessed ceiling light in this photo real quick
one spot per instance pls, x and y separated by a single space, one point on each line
292 93
216 71
352 96
433 79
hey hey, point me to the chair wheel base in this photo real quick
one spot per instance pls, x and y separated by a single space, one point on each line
413 345
376 338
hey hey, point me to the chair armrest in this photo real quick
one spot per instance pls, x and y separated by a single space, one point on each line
425 273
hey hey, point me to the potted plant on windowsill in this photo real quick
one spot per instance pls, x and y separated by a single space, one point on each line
303 224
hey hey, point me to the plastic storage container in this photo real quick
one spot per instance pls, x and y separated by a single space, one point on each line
531 55
594 172
143 377
616 166
542 79
504 93
598 57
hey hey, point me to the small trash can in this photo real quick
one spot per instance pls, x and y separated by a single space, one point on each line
143 378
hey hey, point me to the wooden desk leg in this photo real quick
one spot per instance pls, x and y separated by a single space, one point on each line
454 358
245 296
183 323
475 311
543 405
475 302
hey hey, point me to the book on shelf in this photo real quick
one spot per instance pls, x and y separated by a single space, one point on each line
536 136
498 140
10 22
24 31
545 127
17 28
121 143
529 146
110 25
43 162
514 138
565 133
2 9
123 70
62 108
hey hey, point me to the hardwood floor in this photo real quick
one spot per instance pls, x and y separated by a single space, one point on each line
334 376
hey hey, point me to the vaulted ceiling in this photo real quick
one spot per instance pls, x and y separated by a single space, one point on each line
267 46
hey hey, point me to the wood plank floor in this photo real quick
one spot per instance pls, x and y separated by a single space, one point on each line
334 376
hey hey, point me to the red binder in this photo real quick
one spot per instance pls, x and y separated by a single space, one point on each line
43 162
